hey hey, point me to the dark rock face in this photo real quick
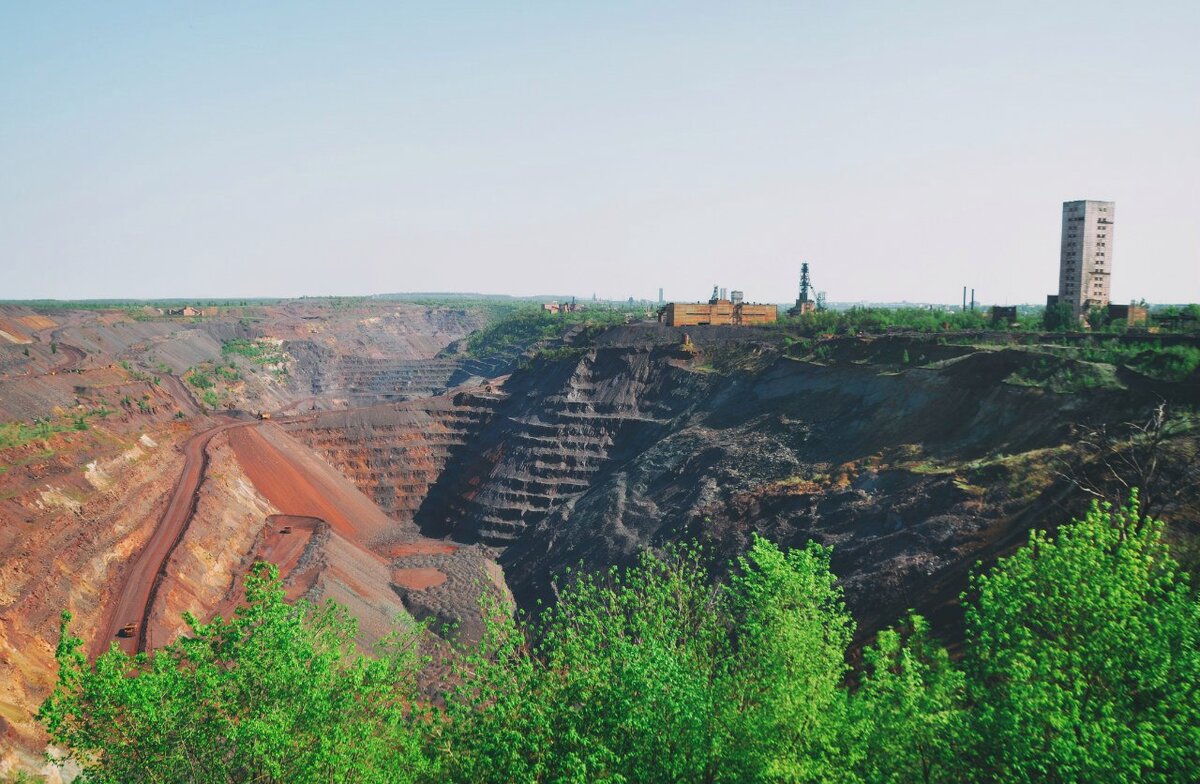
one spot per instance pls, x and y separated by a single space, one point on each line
560 428
911 474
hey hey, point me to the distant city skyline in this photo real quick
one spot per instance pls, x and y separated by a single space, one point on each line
904 150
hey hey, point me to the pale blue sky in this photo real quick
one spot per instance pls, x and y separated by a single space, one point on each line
905 149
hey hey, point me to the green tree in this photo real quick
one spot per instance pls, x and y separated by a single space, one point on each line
654 674
1082 657
622 685
783 703
498 720
908 716
1058 318
1098 318
277 694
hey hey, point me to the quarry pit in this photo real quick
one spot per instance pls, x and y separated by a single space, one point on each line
381 466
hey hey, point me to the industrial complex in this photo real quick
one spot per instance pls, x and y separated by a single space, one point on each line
722 308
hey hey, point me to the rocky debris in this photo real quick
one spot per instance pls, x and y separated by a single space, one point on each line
443 589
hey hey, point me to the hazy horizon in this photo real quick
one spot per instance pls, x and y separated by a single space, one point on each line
903 150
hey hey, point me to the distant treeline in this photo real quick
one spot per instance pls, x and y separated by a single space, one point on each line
872 320
516 327
1081 663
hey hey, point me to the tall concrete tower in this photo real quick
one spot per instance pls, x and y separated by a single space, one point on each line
1085 266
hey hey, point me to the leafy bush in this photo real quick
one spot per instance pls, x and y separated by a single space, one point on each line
15 434
200 380
261 351
1169 363
276 693
1082 656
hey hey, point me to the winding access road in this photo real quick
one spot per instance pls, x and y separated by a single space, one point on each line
135 598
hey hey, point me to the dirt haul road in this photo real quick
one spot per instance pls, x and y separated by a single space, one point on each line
136 596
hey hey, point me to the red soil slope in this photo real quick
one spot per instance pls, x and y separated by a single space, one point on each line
137 594
297 482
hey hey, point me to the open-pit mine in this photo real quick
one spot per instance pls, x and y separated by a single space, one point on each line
149 460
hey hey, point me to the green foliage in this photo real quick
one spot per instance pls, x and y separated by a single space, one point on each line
497 722
15 434
1090 364
783 705
276 694
1058 318
1082 656
1098 318
261 351
200 380
1064 375
1168 363
560 353
516 328
624 685
654 674
1082 664
908 719
872 320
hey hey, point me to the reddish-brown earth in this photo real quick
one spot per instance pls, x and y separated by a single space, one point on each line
418 578
284 539
436 579
299 483
145 573
117 520
423 547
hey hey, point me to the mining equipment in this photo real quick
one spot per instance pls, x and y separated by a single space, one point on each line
264 415
287 529
128 630
803 303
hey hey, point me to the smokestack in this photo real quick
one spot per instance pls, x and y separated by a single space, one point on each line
972 300
964 299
